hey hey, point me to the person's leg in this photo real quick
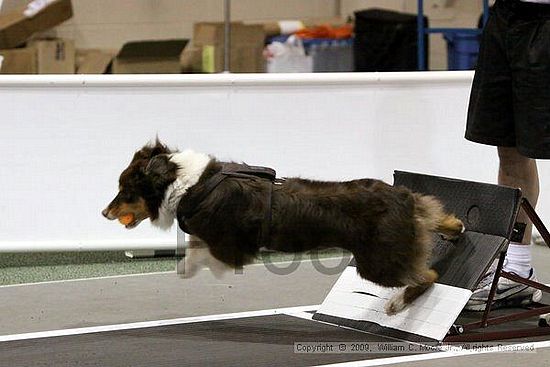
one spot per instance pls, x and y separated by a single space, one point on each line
516 170
508 109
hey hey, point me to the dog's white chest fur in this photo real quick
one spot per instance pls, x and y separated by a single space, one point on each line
191 165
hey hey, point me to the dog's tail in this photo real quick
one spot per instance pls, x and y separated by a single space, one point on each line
430 217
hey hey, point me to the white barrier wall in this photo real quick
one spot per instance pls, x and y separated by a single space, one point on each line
65 139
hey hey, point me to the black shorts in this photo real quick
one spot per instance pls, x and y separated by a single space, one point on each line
510 97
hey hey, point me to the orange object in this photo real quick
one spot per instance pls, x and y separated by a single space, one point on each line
326 31
126 219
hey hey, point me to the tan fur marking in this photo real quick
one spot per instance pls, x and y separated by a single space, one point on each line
138 209
451 227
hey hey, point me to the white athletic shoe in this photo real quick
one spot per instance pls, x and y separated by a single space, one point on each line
508 293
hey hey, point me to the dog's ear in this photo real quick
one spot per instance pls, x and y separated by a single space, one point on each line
151 150
159 148
160 169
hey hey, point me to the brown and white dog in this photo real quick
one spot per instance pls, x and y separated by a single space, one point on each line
387 229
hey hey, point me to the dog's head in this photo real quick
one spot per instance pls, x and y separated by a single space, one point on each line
142 185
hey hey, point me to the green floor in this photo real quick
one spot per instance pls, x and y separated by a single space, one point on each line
42 267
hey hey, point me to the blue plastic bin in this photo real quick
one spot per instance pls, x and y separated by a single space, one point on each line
462 49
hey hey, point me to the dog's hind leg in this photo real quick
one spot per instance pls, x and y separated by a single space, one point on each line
450 227
411 292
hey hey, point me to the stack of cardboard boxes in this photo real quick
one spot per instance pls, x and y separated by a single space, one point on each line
23 53
21 56
247 44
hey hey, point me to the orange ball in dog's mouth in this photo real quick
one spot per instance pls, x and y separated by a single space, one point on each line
126 219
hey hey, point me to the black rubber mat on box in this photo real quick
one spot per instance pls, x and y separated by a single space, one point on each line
464 262
484 208
488 213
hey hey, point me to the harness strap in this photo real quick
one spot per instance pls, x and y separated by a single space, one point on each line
211 184
264 237
245 171
239 171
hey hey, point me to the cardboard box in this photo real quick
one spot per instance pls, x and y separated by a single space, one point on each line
247 44
191 60
56 56
16 28
19 61
150 57
94 61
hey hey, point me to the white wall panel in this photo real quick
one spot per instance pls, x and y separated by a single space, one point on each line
67 138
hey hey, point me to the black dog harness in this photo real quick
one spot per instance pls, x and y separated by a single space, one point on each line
236 170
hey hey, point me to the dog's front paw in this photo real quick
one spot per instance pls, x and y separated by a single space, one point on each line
218 269
186 269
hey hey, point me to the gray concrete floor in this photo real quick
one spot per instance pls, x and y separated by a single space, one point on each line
59 305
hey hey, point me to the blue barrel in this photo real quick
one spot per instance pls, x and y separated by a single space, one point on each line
462 49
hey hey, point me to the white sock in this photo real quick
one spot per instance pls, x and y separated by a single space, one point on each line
518 259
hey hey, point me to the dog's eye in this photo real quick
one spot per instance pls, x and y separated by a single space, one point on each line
127 197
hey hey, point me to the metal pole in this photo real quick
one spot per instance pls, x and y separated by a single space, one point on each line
493 290
485 11
337 8
227 36
421 32
535 219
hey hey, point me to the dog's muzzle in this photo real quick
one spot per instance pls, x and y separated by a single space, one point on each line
106 213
